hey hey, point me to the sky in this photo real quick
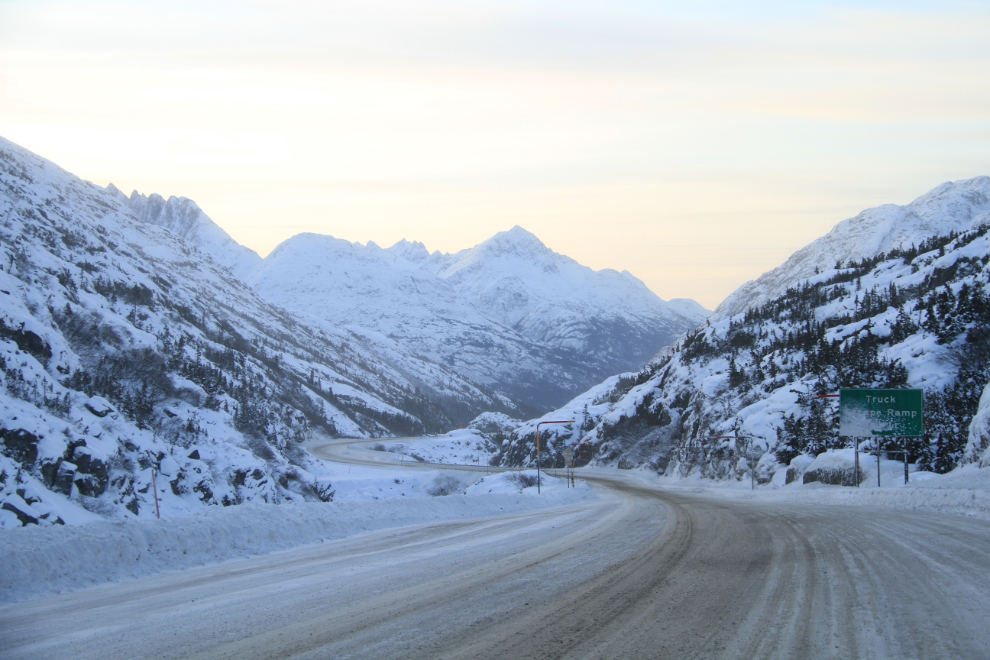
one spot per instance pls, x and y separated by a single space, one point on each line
696 145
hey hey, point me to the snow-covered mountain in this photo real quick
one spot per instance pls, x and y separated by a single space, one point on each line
516 280
915 316
184 218
125 349
509 313
951 207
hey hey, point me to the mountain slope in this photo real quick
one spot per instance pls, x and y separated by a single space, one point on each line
914 317
393 305
516 280
184 218
508 313
125 350
951 207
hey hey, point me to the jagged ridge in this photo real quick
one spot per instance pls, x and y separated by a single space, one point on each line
509 313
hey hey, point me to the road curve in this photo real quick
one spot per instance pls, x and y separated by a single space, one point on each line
358 452
639 573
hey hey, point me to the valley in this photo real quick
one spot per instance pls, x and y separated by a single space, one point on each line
331 451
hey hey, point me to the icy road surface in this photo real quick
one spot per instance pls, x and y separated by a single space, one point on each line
638 573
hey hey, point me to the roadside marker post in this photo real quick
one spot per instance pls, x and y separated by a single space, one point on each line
748 454
568 472
856 462
904 453
154 487
538 485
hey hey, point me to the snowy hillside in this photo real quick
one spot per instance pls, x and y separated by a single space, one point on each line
508 313
951 207
184 218
915 317
515 279
125 350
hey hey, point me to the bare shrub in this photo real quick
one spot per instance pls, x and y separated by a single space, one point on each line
444 484
523 480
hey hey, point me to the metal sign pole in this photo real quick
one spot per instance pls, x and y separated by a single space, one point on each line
538 461
857 462
878 462
154 487
904 444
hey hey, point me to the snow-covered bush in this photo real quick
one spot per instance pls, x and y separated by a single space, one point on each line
444 484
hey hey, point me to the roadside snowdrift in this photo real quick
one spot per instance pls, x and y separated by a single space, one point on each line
37 561
963 492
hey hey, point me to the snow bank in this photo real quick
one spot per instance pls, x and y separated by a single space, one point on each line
978 447
838 459
523 482
955 501
38 561
458 447
964 491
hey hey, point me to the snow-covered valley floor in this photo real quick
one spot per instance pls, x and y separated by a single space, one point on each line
642 570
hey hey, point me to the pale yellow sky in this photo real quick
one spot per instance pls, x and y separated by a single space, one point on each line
696 148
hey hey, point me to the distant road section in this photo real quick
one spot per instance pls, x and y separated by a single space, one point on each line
639 573
359 452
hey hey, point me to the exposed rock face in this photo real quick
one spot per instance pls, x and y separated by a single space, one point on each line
27 341
91 476
20 445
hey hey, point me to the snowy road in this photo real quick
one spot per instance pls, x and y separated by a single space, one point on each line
638 573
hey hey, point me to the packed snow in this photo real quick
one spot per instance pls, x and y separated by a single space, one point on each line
459 447
36 561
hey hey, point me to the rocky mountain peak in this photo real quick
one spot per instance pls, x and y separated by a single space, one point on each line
514 241
183 217
951 207
412 251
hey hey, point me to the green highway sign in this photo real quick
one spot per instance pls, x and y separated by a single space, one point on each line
898 413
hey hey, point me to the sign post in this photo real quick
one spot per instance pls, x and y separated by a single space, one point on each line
856 461
880 414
